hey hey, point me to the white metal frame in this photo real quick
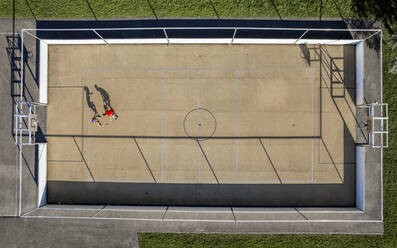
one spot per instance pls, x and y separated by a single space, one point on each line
166 40
20 118
383 117
232 40
383 132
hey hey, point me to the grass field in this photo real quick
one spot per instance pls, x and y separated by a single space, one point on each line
175 8
258 9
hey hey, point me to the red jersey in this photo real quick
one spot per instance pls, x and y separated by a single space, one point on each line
109 112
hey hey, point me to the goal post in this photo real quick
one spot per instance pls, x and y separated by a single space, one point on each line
26 122
377 124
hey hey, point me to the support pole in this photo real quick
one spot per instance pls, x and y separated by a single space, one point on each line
22 51
166 36
372 35
301 36
30 133
100 36
20 125
234 35
34 36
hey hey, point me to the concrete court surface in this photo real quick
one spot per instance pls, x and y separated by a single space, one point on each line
201 113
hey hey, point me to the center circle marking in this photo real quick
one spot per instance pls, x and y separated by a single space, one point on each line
199 124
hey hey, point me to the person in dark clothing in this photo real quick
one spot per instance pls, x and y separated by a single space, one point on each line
109 111
95 119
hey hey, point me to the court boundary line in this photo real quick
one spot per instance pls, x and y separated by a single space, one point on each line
200 117
93 69
163 70
313 124
324 65
162 124
88 125
82 121
64 161
178 137
236 75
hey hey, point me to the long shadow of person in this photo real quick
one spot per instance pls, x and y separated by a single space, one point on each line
92 106
106 101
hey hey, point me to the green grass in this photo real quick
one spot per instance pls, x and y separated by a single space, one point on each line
255 9
154 240
174 8
390 156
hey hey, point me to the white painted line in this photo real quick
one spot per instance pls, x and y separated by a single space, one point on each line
200 70
162 125
237 131
88 132
123 180
199 134
312 125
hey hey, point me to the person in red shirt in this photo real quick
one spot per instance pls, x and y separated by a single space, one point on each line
111 114
106 103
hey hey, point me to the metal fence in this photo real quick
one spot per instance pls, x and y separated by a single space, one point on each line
231 33
170 35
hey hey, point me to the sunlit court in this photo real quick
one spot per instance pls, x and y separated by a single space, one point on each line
201 113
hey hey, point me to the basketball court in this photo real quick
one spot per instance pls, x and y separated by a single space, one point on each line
191 113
